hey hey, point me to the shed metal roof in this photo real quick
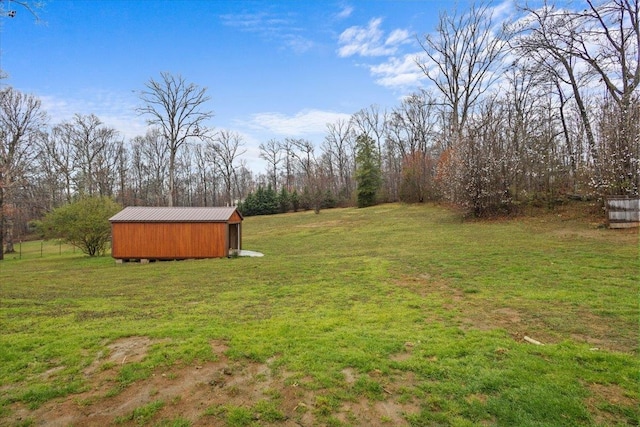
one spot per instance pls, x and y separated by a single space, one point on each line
175 214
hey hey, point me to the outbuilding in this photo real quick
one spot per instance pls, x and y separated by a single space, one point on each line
161 233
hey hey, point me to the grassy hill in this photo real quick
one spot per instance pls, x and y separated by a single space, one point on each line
391 315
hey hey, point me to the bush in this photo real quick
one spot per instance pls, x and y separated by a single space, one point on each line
83 224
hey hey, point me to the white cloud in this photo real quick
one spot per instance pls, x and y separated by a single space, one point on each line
398 72
345 12
397 37
303 123
369 40
502 11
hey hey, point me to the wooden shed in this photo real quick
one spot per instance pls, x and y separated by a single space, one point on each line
149 233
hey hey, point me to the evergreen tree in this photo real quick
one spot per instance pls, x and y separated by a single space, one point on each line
283 200
262 202
295 200
270 203
368 171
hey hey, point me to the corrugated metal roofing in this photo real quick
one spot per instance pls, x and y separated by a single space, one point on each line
175 214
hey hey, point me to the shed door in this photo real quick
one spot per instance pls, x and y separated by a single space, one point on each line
234 236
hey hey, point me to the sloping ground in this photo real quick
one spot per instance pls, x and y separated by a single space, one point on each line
392 315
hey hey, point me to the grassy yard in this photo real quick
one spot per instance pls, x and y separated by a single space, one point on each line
391 315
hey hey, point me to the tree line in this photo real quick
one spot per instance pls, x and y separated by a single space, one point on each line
533 110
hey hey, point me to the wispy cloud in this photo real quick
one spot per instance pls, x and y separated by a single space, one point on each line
345 12
298 44
301 124
266 24
282 28
113 109
370 41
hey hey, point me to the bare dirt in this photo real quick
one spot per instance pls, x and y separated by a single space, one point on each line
203 394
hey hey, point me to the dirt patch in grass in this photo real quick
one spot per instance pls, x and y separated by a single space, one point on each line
122 351
403 355
211 393
557 324
349 375
605 397
477 312
367 413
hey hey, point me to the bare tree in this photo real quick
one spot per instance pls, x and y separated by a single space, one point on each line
460 61
122 169
546 36
304 154
523 108
139 172
224 149
175 107
59 151
601 40
609 42
108 178
271 152
288 147
411 132
185 176
205 178
49 189
29 6
94 154
244 180
150 164
314 177
370 122
339 148
21 127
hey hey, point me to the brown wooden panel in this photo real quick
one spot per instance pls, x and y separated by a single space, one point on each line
169 240
235 218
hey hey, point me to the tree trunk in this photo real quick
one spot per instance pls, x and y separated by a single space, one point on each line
172 171
1 218
8 247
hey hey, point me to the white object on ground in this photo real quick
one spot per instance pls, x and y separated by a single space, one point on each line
242 252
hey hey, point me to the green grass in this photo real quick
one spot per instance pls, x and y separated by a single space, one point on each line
351 288
40 249
143 414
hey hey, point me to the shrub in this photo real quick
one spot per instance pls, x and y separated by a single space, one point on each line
83 224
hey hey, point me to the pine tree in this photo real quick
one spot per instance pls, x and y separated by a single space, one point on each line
368 172
283 200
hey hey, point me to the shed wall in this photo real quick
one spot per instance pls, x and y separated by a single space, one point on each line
169 240
623 212
235 218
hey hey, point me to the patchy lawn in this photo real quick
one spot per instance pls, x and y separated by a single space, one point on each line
391 315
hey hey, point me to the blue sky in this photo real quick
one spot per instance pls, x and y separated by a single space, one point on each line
272 69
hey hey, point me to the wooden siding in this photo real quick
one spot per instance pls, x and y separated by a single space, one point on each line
157 240
235 218
623 212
